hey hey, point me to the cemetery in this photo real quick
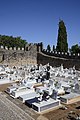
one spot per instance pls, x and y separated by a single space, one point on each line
42 87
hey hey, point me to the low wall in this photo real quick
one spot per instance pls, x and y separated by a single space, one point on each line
62 54
56 61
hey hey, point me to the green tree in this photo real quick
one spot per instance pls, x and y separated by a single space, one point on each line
11 41
53 49
62 45
75 49
48 48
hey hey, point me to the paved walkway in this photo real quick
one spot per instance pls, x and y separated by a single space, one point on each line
9 111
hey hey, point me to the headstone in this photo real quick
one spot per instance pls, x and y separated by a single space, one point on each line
47 75
77 86
54 95
61 67
51 82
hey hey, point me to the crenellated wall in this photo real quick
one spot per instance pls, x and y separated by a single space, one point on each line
57 61
35 54
6 48
66 55
17 56
55 58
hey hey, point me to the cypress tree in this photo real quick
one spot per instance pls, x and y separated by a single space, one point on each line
62 45
48 48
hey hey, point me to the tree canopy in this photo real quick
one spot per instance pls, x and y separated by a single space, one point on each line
11 41
53 48
62 45
75 49
48 48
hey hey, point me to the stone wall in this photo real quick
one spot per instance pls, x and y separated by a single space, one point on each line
34 54
19 57
57 61
62 54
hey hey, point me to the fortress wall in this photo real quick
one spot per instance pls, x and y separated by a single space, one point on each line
55 61
34 54
19 57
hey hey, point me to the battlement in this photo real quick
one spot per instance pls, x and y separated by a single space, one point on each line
35 54
66 55
19 56
28 47
6 48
